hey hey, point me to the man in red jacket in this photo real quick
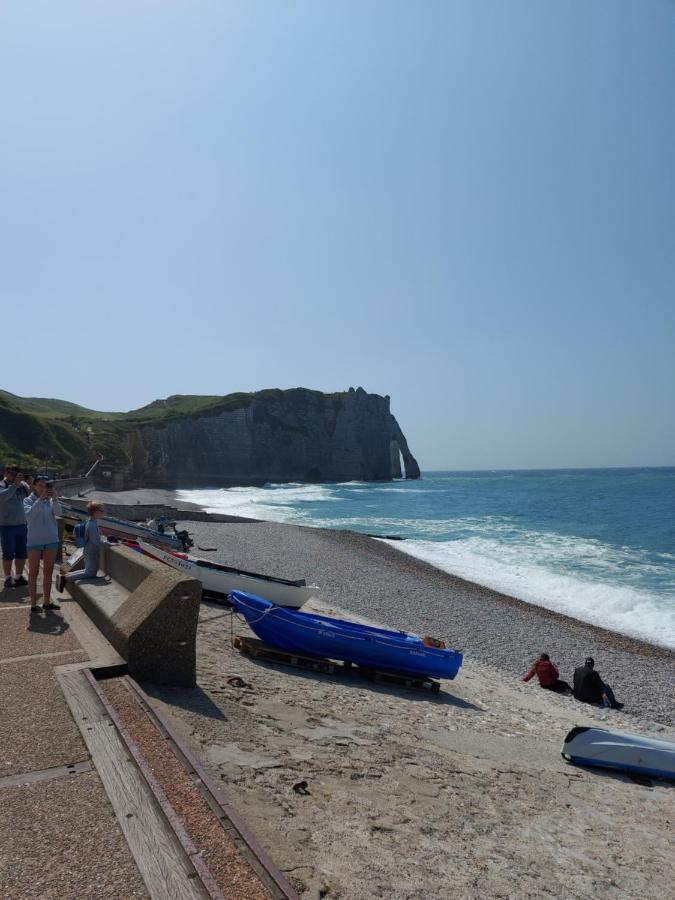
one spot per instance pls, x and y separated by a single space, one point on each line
548 675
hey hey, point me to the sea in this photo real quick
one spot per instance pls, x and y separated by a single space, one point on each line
595 544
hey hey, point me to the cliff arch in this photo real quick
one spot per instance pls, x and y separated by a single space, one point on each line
395 458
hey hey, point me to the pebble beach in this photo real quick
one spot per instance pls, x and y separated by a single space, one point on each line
359 790
373 579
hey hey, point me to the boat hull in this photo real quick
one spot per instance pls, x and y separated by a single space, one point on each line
221 581
310 634
618 750
121 528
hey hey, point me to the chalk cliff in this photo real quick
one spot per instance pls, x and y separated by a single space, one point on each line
188 440
293 435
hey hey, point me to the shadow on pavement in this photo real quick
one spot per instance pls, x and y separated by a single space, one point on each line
47 622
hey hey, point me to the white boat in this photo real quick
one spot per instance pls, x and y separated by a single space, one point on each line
617 750
218 579
129 531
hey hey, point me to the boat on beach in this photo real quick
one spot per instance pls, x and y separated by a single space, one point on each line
618 750
129 531
310 634
220 580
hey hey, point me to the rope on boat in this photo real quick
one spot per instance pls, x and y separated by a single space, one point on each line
420 649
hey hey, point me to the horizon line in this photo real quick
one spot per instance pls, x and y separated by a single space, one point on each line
548 469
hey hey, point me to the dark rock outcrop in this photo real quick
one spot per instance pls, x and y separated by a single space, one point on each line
293 435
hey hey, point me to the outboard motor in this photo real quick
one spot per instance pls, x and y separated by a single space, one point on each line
185 539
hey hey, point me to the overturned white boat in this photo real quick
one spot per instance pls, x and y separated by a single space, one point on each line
219 580
617 750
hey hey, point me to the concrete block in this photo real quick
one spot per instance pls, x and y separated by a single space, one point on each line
148 612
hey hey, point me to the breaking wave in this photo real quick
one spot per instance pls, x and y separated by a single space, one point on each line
595 544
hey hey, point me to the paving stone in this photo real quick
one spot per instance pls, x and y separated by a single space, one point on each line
37 730
23 633
61 840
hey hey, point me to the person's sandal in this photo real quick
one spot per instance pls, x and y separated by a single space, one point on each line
52 605
36 609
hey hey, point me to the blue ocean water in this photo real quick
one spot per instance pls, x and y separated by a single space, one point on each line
596 544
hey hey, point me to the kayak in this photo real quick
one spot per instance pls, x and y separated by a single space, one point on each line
310 634
617 750
219 580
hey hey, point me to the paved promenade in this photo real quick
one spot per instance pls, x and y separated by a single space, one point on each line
94 799
59 835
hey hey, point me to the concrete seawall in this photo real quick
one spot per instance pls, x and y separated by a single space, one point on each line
72 487
147 611
141 512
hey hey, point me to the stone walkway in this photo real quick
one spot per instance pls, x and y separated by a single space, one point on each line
94 800
59 836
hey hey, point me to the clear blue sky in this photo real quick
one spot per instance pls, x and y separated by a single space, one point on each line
469 206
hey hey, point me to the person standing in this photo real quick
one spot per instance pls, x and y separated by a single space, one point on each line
13 492
92 544
547 674
42 507
590 688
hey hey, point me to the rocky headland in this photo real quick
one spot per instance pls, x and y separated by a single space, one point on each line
237 439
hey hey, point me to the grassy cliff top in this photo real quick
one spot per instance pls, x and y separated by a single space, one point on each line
175 406
37 431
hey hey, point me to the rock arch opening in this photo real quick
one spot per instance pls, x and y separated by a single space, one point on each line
397 463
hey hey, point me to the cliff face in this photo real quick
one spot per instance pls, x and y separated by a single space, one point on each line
294 435
240 438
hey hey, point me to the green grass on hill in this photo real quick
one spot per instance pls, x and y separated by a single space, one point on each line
45 406
36 431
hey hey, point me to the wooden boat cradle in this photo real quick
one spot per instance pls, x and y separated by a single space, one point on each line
260 650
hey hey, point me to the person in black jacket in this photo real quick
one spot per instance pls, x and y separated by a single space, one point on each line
590 688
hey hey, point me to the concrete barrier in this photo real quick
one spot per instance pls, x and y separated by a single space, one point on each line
72 487
141 512
148 611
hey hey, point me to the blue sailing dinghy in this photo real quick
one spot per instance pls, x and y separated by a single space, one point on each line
310 634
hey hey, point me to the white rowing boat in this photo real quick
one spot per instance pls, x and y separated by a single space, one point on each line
219 580
128 531
617 750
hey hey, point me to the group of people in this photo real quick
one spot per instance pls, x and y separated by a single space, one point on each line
29 531
588 686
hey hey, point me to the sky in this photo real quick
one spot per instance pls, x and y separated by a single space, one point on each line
469 206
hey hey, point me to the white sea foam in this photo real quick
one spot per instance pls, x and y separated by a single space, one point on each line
531 571
620 588
274 502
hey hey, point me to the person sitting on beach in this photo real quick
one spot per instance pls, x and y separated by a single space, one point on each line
548 675
590 688
13 491
42 507
92 543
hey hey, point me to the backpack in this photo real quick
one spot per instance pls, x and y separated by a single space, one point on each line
80 532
